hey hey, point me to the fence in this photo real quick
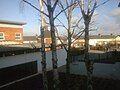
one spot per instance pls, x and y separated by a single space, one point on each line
12 73
108 57
11 51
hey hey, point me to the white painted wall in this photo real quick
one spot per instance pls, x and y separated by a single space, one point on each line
9 42
29 41
118 38
10 25
24 58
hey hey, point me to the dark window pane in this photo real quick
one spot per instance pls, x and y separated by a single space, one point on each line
1 38
1 34
17 37
17 34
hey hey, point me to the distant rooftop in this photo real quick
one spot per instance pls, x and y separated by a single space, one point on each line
29 38
100 36
12 22
47 34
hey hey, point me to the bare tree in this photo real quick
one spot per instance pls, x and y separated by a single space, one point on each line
43 53
51 9
51 5
42 28
53 45
70 29
87 9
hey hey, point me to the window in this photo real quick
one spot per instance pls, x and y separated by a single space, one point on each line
17 36
1 36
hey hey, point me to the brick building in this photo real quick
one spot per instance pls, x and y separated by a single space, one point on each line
101 40
37 39
47 39
11 32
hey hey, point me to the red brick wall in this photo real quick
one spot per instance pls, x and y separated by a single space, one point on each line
9 33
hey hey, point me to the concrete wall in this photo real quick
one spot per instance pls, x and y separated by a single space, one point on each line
24 58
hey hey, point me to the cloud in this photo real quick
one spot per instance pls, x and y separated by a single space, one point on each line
116 14
111 22
109 25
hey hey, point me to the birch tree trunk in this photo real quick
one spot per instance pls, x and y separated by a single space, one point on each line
69 44
43 53
88 63
87 9
53 46
87 14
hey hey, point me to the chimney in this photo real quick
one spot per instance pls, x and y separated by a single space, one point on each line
111 34
99 34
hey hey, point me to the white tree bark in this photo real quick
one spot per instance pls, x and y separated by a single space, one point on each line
43 53
87 14
53 44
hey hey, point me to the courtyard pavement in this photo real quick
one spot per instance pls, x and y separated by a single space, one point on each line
100 69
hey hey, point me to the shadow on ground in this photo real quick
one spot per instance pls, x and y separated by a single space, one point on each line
76 82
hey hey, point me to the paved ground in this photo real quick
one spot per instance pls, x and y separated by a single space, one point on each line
105 73
100 69
99 56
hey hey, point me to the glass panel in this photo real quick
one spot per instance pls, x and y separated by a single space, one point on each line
17 37
1 38
1 34
18 34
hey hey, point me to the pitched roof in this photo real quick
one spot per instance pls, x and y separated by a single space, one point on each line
100 37
11 22
29 38
47 34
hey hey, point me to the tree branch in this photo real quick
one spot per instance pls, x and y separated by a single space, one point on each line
78 33
78 36
61 40
67 2
63 10
62 24
74 6
102 3
94 7
82 9
78 22
54 6
93 29
44 2
35 7
72 32
76 25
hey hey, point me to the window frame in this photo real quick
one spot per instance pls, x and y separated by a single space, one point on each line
18 36
2 36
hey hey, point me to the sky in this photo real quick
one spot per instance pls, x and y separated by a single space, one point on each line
107 19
